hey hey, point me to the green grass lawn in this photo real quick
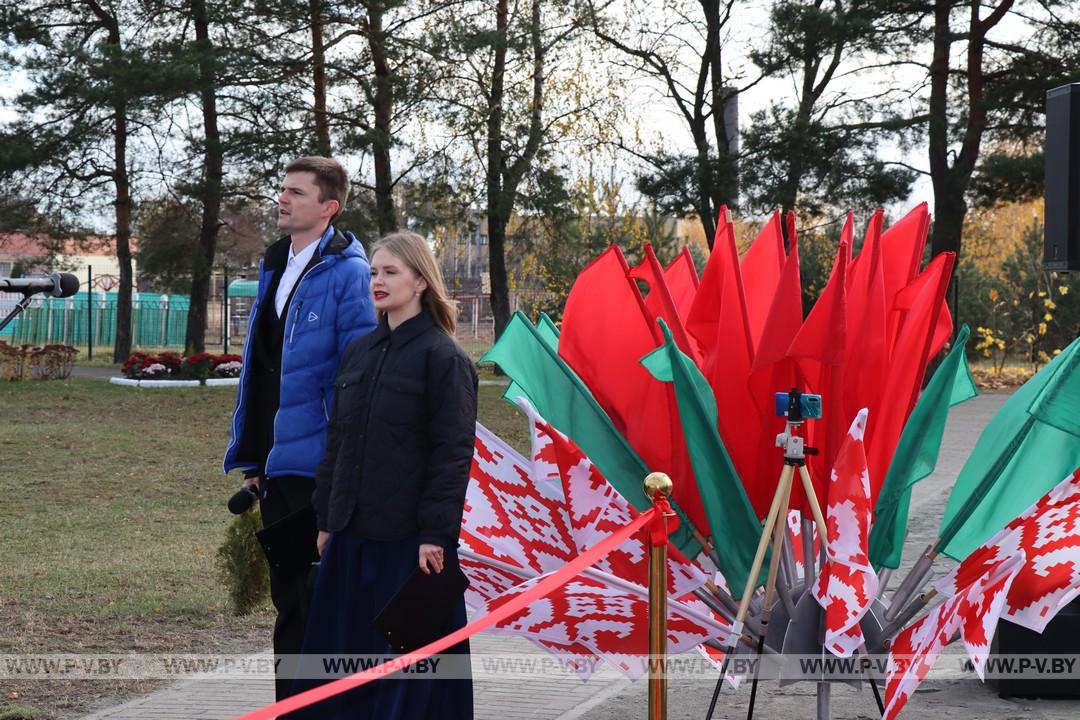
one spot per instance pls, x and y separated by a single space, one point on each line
114 508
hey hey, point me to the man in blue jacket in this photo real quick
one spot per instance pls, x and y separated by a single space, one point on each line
313 300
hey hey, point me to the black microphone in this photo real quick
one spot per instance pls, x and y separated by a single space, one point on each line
241 501
59 285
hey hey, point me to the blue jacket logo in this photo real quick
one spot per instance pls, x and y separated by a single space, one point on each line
312 317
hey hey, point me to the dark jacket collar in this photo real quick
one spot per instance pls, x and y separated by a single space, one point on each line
406 331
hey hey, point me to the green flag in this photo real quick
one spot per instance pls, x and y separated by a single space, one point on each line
917 452
562 399
1029 446
548 330
732 522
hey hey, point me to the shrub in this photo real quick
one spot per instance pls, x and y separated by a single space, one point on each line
226 365
52 362
143 366
1020 311
18 712
198 366
12 362
241 565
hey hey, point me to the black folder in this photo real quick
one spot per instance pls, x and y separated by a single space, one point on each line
289 543
421 609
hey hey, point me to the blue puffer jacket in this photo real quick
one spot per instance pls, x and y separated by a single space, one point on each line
331 307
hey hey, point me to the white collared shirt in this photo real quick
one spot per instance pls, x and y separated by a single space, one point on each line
292 273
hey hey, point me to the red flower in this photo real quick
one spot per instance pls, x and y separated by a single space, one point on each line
224 358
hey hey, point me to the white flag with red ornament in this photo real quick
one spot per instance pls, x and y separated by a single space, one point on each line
973 611
980 610
794 521
912 654
609 616
1047 534
596 510
514 528
525 519
847 584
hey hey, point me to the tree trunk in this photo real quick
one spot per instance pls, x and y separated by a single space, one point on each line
706 210
385 215
796 161
503 179
498 213
122 203
195 340
122 344
318 72
951 183
723 136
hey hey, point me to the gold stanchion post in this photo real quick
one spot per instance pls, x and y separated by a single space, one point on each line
657 487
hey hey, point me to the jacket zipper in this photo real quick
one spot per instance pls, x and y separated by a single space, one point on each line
296 321
281 364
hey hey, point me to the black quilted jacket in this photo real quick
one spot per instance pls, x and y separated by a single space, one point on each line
400 441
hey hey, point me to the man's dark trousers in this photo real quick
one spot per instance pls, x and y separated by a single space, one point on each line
283 496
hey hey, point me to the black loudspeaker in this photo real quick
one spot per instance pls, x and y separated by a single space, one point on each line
1052 658
1062 230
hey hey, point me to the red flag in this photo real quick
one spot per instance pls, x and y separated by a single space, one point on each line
915 312
865 356
943 332
773 371
720 303
820 340
660 303
605 355
601 292
847 235
761 270
682 279
901 254
785 311
719 322
818 350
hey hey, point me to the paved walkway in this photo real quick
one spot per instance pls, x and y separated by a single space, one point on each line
544 692
550 693
96 372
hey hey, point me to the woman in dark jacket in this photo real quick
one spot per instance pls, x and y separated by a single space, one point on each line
391 489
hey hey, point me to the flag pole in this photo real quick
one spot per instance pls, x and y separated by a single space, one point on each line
658 488
773 533
819 519
782 490
914 608
779 530
911 584
806 531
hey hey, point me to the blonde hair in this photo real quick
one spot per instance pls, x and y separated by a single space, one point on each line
414 251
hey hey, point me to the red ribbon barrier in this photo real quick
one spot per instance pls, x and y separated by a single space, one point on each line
664 521
543 588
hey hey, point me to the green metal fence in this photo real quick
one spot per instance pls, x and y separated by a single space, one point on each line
157 320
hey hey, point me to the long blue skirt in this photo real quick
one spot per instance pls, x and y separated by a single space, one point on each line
357 578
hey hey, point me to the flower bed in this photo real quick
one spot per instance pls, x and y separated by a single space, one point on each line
199 367
26 362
